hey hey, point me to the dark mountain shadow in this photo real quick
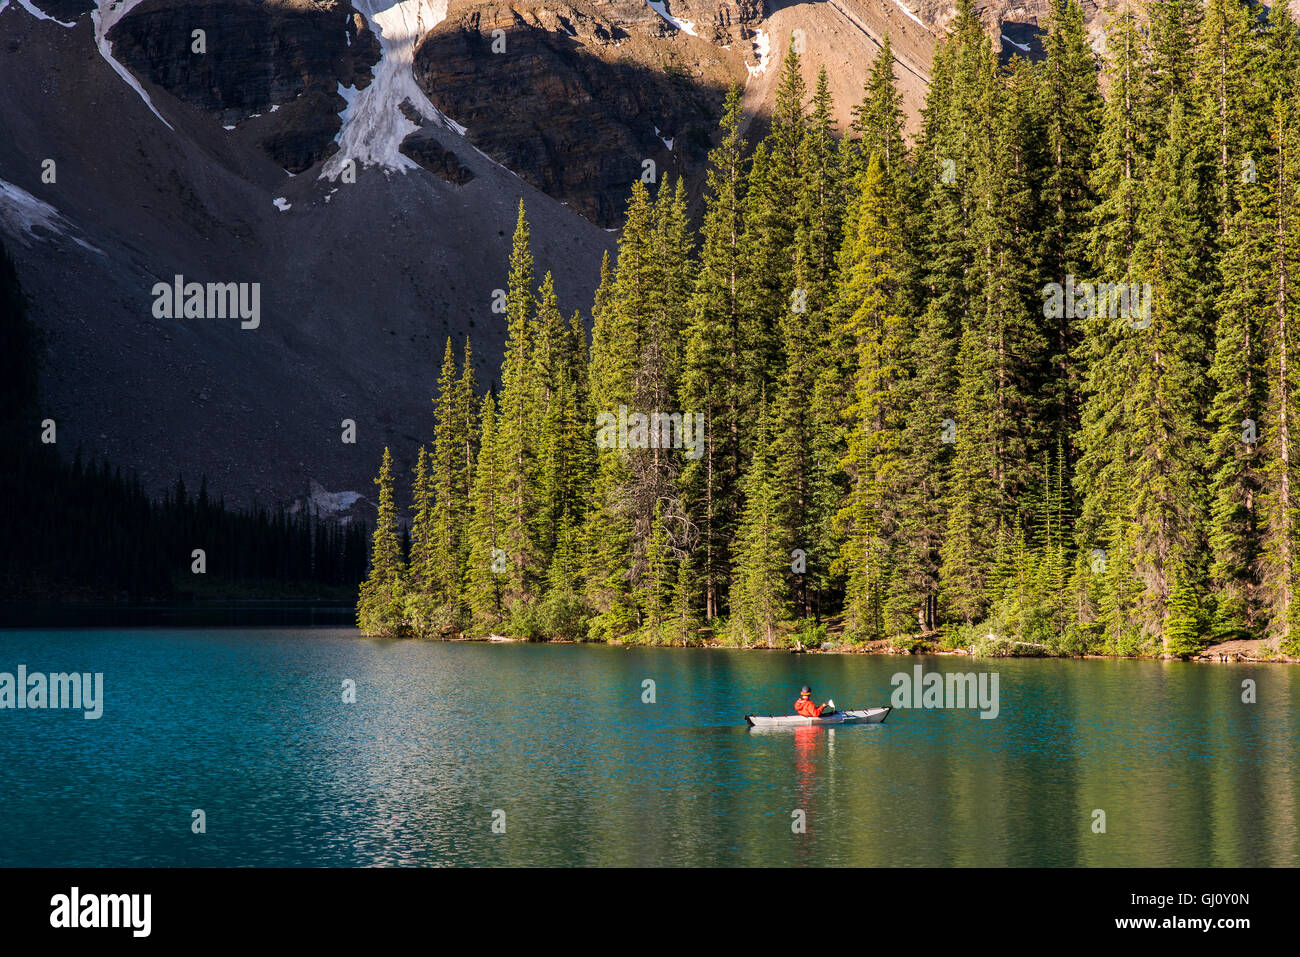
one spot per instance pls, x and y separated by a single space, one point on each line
1022 40
577 119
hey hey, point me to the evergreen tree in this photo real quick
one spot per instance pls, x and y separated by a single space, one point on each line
1169 392
1226 60
619 360
929 431
1239 380
449 481
878 123
759 600
420 561
1072 106
379 607
1172 27
718 379
1281 539
980 384
821 203
1108 352
870 299
488 561
772 193
1002 357
518 532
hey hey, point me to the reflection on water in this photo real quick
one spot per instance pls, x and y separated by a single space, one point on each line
250 726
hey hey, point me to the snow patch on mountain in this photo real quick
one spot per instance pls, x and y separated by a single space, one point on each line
762 50
919 21
661 8
326 503
38 13
373 123
1019 46
105 17
21 214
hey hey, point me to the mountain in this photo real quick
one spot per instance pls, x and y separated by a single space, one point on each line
359 283
216 140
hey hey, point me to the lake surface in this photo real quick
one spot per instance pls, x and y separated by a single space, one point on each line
249 725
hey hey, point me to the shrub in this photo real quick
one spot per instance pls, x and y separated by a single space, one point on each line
809 633
524 620
427 618
564 615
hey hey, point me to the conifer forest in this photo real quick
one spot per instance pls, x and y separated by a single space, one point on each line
1023 379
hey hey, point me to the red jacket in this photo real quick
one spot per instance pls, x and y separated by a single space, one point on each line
805 707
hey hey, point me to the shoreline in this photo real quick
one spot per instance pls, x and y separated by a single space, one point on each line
1221 653
329 612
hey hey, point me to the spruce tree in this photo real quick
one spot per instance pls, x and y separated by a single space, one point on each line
488 562
718 380
759 590
1171 33
878 122
453 431
518 531
1072 106
420 560
1279 578
1109 350
379 607
625 302
870 299
1002 357
1170 389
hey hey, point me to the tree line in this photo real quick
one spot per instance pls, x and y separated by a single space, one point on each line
83 530
1027 379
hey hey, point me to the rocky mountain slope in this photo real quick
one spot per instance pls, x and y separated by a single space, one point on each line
575 96
359 283
361 162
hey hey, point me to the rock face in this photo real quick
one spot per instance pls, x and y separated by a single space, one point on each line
578 97
360 283
425 149
65 11
271 70
430 154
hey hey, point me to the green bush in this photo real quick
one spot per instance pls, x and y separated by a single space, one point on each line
911 645
564 615
1074 642
809 633
524 620
381 610
425 617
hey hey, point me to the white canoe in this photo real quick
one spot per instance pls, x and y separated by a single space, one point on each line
866 716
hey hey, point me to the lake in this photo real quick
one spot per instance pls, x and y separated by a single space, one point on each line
511 754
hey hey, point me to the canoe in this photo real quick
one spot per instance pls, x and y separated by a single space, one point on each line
865 716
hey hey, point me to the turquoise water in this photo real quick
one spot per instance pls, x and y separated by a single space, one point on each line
555 742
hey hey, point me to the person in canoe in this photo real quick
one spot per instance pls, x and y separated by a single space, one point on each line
808 709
